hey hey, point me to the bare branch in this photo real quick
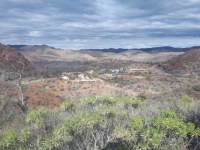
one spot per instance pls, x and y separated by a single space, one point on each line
21 101
23 65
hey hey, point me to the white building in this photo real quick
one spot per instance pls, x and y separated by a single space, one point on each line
90 72
114 70
66 78
84 78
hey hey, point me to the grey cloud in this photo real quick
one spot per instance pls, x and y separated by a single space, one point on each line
100 23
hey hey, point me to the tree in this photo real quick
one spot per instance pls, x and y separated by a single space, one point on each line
21 101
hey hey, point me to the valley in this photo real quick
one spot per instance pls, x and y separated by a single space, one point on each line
59 85
113 73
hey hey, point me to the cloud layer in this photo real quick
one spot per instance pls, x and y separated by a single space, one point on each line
83 24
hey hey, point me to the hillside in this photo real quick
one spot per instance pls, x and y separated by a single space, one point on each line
187 62
15 57
46 53
142 56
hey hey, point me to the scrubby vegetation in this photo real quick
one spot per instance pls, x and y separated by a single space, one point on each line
105 122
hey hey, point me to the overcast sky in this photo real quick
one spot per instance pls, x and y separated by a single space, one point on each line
80 24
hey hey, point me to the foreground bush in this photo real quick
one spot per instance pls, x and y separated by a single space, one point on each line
105 122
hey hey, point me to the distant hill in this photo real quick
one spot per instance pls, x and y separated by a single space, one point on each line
16 46
113 50
15 57
153 49
37 53
33 46
187 62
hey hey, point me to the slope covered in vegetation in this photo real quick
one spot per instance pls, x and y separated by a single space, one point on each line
14 57
103 123
187 62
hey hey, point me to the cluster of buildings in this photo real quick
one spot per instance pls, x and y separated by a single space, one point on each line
114 73
82 77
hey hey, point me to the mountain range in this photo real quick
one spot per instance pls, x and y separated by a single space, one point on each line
178 59
47 53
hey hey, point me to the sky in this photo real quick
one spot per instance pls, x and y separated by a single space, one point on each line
83 24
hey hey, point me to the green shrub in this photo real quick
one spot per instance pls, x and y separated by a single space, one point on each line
186 99
107 121
173 125
8 139
112 112
37 117
136 123
123 134
67 105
